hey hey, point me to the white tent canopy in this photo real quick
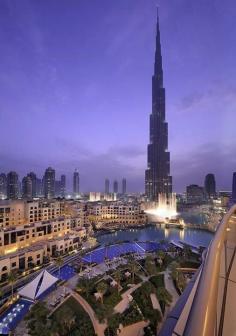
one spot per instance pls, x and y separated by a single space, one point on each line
38 285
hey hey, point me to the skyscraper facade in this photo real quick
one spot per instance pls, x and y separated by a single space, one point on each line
157 176
63 186
107 186
123 186
27 187
12 185
76 183
234 187
3 186
33 177
49 183
115 187
210 185
39 187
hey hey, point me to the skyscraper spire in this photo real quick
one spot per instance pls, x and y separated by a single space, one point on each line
157 176
158 71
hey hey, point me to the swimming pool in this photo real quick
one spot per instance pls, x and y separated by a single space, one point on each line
109 252
66 272
13 315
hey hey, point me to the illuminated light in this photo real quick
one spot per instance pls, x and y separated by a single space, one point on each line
166 208
166 232
11 250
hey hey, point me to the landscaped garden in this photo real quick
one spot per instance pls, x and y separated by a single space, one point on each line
69 319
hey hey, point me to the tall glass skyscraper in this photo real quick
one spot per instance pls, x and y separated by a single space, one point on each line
157 176
76 183
49 183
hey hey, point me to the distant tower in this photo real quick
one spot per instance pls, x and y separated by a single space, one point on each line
3 186
234 187
57 188
210 185
39 188
33 177
12 185
115 187
157 176
123 186
27 187
76 183
107 186
63 186
49 183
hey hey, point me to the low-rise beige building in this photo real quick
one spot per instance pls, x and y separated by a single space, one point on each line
22 260
12 213
126 214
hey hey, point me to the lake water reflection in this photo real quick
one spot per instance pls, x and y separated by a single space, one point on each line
156 233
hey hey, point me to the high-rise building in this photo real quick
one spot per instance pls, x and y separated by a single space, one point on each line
234 187
39 188
63 186
115 187
210 185
12 185
49 183
3 186
123 186
107 186
27 187
157 176
57 188
76 183
195 194
33 177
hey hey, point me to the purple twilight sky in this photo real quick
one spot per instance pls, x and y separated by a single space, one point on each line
75 88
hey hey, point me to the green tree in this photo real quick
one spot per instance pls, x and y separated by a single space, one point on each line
133 267
173 270
161 255
59 263
64 321
38 323
84 286
12 277
187 252
117 277
164 296
150 265
181 281
102 288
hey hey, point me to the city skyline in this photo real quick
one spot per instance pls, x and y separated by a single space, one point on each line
45 79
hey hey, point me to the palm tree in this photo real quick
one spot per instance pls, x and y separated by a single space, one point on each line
102 288
84 286
59 263
161 256
12 279
133 266
164 296
174 272
117 277
150 265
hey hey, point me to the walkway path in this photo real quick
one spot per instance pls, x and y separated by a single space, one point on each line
124 303
171 288
155 302
135 329
98 327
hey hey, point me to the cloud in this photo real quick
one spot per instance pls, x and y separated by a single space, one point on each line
192 167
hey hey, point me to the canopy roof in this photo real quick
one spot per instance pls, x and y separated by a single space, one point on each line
38 285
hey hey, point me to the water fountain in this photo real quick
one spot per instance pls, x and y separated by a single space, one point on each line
164 210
